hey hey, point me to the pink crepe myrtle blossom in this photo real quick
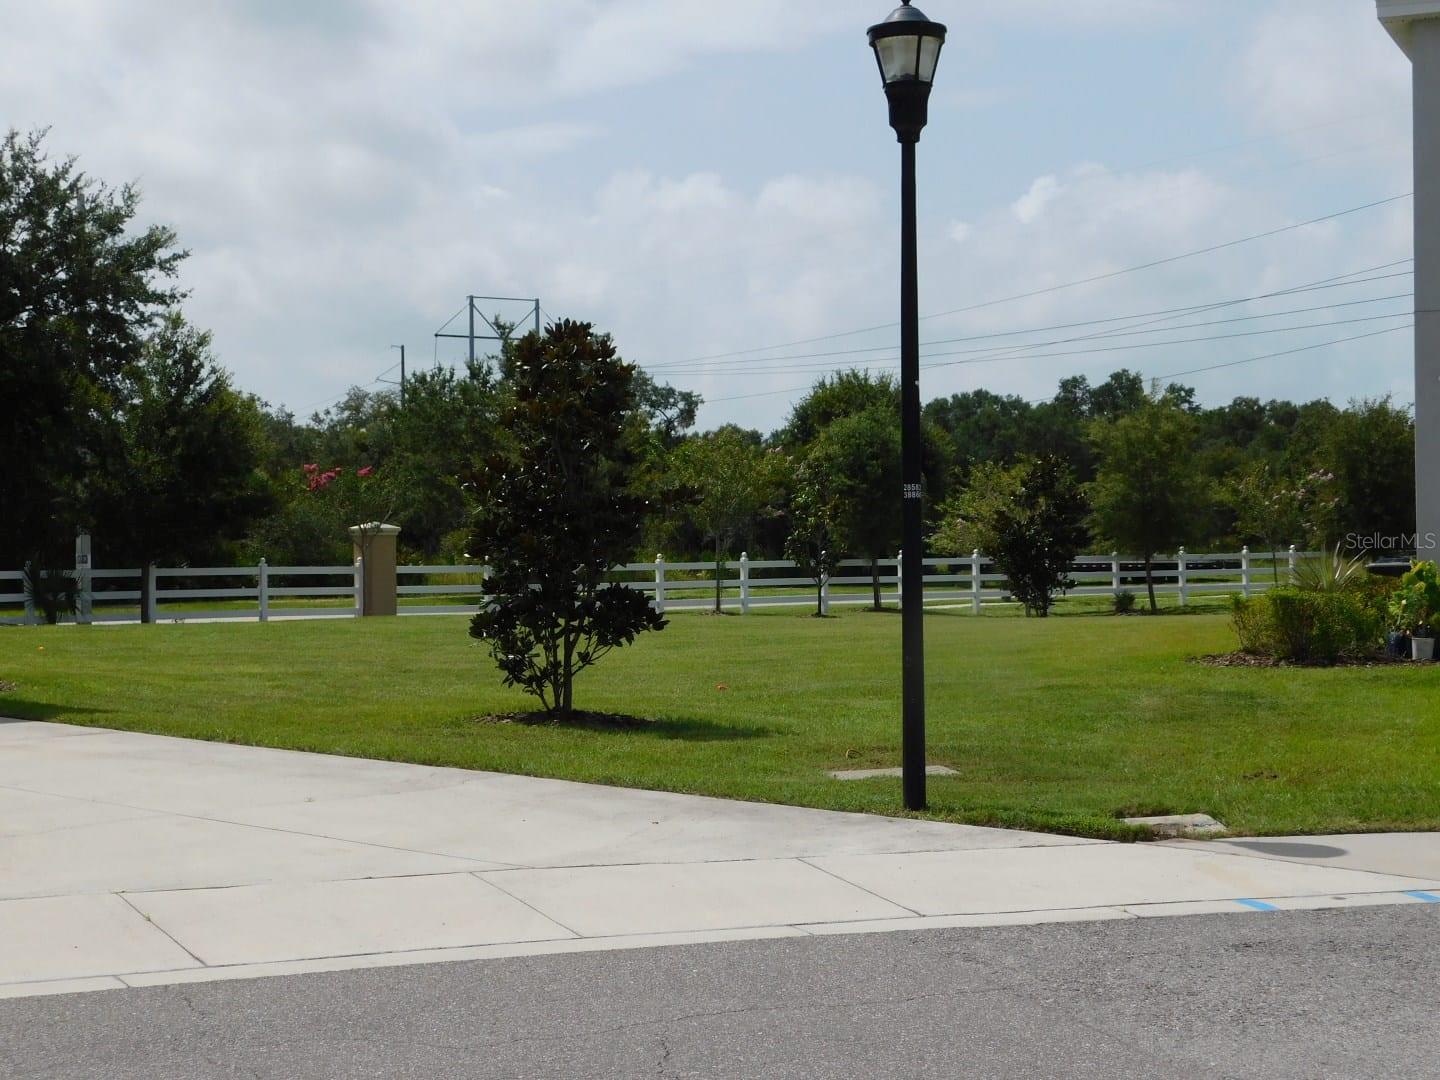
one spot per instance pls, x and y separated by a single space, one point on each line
315 481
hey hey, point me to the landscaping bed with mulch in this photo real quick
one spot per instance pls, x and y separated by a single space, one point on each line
1252 660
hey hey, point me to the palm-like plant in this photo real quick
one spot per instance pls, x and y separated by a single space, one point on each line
1332 572
52 593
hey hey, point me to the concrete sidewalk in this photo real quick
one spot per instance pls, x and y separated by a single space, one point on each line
131 860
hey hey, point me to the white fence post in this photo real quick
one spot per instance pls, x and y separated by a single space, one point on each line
1245 571
359 585
1184 580
976 584
152 602
744 583
824 586
1115 572
263 588
1292 558
660 583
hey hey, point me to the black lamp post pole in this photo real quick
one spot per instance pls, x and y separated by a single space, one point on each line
912 569
907 48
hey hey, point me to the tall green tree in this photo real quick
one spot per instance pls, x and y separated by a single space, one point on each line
80 286
985 427
1369 449
732 480
1147 497
845 393
860 455
556 509
445 425
180 479
668 412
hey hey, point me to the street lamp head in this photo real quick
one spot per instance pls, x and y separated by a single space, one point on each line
907 48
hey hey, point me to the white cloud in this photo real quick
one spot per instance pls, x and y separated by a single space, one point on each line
1326 79
1028 208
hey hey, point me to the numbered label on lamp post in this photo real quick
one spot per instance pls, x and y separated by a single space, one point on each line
912 491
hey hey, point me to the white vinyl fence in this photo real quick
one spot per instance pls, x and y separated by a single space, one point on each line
263 592
175 593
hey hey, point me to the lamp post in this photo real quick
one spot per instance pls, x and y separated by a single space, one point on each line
907 48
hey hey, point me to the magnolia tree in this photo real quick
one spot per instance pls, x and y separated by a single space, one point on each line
557 509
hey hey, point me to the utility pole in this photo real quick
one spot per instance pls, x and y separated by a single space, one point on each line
392 382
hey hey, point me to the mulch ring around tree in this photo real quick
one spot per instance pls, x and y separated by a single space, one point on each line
590 721
1249 660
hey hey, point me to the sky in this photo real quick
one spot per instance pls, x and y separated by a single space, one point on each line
716 186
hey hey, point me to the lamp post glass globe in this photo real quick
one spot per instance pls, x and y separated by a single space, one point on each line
907 50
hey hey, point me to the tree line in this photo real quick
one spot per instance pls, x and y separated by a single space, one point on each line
124 422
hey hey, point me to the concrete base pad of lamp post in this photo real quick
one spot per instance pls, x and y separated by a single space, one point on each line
870 774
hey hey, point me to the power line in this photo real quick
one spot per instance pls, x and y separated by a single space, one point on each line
1178 341
1020 351
1174 375
1287 352
1069 284
969 359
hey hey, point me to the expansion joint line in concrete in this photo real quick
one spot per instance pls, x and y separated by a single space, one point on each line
491 864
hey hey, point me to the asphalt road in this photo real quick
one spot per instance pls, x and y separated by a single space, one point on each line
1349 993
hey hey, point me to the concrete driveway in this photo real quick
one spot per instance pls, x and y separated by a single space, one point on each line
130 860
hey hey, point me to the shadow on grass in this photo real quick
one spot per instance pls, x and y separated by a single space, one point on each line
688 729
15 710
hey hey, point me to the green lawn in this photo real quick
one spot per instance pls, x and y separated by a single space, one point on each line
1063 724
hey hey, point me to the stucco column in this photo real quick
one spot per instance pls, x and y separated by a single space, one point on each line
1415 25
375 543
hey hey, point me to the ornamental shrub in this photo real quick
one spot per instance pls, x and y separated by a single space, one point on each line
1415 604
1307 627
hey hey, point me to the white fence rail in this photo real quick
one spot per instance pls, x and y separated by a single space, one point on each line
175 594
263 592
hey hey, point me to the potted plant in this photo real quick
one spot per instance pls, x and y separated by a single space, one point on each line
1415 608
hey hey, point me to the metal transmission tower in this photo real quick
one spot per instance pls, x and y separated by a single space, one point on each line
391 382
488 330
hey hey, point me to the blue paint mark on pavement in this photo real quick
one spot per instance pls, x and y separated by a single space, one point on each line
1428 897
1258 905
